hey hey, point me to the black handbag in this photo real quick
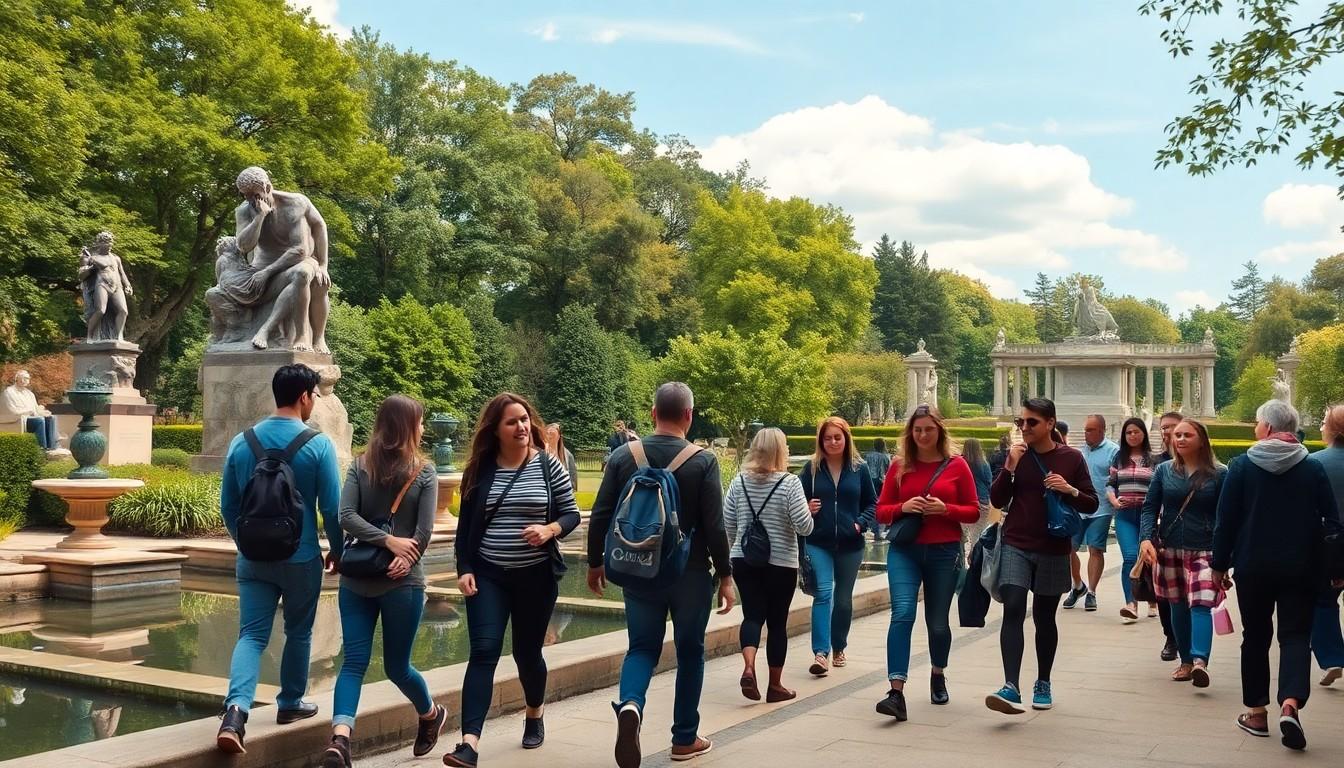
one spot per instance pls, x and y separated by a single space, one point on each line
364 560
755 539
906 529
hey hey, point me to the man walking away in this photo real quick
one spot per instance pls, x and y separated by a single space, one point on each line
278 466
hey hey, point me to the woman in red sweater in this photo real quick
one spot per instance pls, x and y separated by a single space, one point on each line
926 498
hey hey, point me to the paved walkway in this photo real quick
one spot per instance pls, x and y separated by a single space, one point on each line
1114 706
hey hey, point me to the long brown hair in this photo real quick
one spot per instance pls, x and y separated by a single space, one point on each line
910 451
819 455
485 442
559 440
1208 461
394 447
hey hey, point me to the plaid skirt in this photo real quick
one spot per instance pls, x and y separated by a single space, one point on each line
1186 575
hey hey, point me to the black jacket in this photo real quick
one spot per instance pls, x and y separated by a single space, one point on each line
1271 525
854 502
472 522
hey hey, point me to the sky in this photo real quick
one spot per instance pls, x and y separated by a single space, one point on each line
1004 139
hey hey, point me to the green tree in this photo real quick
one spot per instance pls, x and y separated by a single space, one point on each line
1051 325
574 116
423 352
1288 311
1320 379
1229 337
1327 276
351 339
975 319
739 379
1248 293
867 380
1258 95
910 302
579 388
1252 389
496 366
1141 322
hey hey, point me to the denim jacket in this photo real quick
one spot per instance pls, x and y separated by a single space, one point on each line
1192 529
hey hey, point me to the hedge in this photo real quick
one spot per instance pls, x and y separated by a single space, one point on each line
21 460
187 437
894 432
170 457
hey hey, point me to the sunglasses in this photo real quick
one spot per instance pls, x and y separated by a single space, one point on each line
923 410
1029 422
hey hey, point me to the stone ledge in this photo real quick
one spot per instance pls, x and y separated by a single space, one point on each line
20 581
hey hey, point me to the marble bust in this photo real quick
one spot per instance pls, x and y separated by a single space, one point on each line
105 286
18 407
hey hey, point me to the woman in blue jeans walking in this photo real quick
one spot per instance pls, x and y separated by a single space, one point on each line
390 477
933 494
841 497
1131 472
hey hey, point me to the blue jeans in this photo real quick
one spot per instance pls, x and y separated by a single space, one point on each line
833 605
1326 639
689 602
44 428
935 566
260 588
1127 536
1193 628
400 610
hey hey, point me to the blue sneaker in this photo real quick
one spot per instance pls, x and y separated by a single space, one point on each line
1006 700
1040 695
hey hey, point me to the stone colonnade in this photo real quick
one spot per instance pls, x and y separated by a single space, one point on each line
1017 380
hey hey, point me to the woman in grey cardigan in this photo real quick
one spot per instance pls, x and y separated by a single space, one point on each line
767 491
391 473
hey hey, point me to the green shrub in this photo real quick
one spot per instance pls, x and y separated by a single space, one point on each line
186 437
1231 431
170 457
6 526
183 506
21 460
971 411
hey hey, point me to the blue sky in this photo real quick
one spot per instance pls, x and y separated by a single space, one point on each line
1005 138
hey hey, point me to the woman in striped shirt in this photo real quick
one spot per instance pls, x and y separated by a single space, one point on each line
516 502
766 491
1131 473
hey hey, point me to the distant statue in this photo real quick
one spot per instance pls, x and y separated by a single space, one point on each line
1000 340
1279 386
1208 336
103 281
1091 319
1198 391
1292 345
272 278
919 346
930 394
18 406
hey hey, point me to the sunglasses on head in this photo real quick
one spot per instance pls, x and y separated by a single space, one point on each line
1027 422
923 410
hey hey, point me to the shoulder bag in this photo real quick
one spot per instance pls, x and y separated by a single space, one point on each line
362 559
906 528
755 539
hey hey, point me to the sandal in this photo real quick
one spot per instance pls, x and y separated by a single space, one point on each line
1130 613
1183 673
1152 610
748 685
819 665
839 659
1199 675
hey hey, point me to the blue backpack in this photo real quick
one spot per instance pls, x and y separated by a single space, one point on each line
646 548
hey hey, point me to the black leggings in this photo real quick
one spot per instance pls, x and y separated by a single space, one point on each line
1011 642
527 597
766 594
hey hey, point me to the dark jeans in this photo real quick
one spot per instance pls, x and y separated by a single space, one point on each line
766 594
1011 641
688 602
527 596
400 609
908 566
1327 641
1258 599
44 428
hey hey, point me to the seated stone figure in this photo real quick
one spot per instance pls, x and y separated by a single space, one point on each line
240 296
19 409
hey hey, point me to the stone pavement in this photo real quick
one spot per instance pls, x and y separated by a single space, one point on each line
1114 706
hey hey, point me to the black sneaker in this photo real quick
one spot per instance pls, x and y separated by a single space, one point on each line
304 711
337 754
1169 651
627 736
938 689
231 732
1074 596
1090 602
462 756
534 732
427 733
893 706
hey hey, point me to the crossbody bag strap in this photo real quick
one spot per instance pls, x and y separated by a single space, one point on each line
494 510
937 473
415 472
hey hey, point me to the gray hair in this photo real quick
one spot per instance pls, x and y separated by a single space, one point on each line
252 177
1280 416
672 400
18 373
1099 418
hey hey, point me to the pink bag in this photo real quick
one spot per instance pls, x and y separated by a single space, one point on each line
1222 618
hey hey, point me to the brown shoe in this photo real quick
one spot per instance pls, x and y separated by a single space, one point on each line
1199 675
1254 723
819 666
1182 674
774 695
840 660
689 751
749 688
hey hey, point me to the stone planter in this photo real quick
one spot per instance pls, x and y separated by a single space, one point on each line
88 501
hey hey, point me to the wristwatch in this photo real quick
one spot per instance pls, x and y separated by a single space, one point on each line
1075 492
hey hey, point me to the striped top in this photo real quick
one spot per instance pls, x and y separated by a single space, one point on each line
503 544
1129 480
785 517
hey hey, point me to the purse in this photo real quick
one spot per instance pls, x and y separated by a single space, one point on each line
755 539
1222 618
1061 520
365 560
991 543
807 575
906 529
1141 583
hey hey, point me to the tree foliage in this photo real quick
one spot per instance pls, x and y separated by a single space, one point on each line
579 388
1320 378
423 352
910 303
1248 293
1252 389
872 382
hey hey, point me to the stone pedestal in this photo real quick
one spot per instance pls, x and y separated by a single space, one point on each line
445 522
113 574
113 362
1081 391
87 501
129 430
236 393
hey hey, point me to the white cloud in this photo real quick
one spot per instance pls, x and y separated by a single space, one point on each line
1304 249
1184 301
856 17
325 13
548 32
610 31
974 204
1311 207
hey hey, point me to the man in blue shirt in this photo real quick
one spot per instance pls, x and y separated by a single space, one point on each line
296 582
1100 452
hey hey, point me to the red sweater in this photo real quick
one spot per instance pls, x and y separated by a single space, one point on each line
956 488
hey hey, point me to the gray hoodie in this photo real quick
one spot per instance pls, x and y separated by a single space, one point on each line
1276 456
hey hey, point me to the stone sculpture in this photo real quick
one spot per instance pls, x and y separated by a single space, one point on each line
930 396
1091 319
272 278
1208 337
19 408
103 281
1280 389
1000 340
1198 399
919 346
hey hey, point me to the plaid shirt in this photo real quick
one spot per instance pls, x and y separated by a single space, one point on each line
1186 575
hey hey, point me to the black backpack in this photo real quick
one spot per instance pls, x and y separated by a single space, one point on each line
270 518
755 539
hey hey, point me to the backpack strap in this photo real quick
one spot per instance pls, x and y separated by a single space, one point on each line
637 453
258 450
297 443
686 455
755 515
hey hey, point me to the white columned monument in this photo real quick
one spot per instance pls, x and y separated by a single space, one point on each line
921 380
1095 371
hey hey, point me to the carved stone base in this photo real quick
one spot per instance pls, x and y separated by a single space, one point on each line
236 393
112 361
129 429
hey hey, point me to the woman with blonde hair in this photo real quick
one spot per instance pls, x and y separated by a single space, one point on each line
840 495
765 498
